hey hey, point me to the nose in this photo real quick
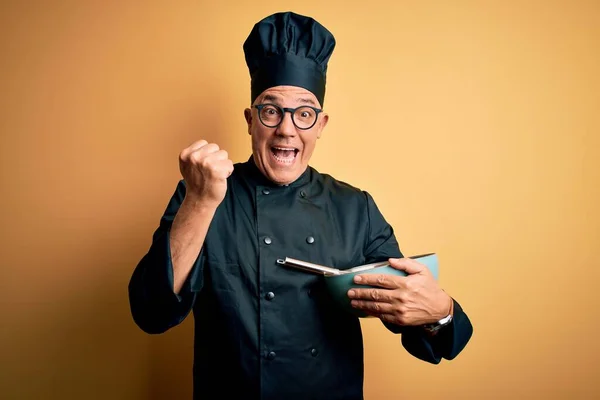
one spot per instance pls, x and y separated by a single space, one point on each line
286 128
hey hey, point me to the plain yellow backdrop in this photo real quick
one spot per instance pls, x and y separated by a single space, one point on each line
475 126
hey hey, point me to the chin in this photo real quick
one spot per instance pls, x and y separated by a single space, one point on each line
283 178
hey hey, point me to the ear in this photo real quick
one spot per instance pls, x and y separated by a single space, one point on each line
322 124
248 117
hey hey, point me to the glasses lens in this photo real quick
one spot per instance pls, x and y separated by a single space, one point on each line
270 115
305 117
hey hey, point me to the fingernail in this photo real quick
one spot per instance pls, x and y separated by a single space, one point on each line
351 293
357 278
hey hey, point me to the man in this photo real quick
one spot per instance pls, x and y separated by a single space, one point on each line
263 330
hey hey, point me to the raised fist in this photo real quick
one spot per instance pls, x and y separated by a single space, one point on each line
205 169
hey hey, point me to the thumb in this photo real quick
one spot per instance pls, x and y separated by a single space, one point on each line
407 265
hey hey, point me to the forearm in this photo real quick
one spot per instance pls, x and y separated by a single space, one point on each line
187 236
155 304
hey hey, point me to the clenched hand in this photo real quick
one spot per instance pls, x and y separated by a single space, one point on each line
205 169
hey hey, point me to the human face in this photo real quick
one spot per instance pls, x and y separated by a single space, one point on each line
282 153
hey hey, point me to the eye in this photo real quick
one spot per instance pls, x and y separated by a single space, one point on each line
305 113
270 112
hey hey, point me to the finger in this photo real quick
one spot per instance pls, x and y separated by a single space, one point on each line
229 168
223 169
218 155
407 265
193 147
380 280
203 151
197 144
372 307
371 294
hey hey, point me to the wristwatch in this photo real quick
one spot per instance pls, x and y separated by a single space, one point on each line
436 326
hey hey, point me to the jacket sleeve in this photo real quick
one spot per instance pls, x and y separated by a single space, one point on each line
451 339
447 343
155 307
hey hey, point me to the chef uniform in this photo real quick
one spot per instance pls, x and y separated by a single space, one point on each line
264 330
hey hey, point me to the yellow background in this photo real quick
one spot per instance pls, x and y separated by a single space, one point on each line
474 125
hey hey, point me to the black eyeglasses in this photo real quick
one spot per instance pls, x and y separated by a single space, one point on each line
303 117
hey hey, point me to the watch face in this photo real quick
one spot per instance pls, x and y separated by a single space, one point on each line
432 328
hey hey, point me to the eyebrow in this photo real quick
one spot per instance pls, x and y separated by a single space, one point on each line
305 100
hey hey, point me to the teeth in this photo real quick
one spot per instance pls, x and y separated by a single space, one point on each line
286 156
283 160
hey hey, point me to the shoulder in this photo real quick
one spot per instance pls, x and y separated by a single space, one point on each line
337 189
336 184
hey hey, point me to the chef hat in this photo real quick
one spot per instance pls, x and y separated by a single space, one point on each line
288 49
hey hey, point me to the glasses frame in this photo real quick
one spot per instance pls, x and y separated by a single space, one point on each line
283 110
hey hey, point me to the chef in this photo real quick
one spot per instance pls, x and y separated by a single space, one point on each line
261 330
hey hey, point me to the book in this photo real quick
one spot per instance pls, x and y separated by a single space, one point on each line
330 271
339 281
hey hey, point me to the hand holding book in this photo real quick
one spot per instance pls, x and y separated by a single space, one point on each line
401 291
414 299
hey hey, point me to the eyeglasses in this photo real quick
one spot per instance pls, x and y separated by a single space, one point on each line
303 117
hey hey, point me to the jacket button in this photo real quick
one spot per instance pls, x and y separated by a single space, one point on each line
310 240
270 296
268 240
314 352
271 355
302 194
266 191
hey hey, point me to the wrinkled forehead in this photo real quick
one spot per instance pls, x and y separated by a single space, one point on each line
288 96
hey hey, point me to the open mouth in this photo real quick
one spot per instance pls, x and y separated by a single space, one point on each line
284 155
